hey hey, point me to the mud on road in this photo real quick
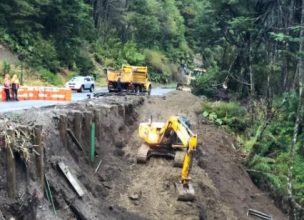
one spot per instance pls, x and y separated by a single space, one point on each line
121 188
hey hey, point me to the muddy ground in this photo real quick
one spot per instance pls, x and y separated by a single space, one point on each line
121 188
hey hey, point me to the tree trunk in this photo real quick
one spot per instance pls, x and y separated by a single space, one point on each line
292 150
252 92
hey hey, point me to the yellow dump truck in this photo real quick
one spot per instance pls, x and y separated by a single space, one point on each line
129 79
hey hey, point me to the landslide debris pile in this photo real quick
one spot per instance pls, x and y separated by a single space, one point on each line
120 188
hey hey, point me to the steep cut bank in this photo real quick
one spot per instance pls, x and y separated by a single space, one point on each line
122 189
114 117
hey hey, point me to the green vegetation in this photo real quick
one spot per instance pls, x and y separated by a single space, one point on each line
82 35
267 143
270 151
207 83
253 53
229 114
50 78
45 33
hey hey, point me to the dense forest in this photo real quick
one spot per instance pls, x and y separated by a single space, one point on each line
252 51
77 34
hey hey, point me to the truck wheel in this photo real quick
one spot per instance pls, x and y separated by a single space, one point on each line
135 88
82 89
149 90
92 88
110 90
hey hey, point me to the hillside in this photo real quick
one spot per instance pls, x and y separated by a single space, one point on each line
79 34
7 55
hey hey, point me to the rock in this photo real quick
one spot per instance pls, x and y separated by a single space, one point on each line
202 163
167 185
119 144
135 196
90 104
204 98
118 153
107 186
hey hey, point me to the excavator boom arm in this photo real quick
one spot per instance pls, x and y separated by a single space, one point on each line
179 127
189 140
188 159
157 134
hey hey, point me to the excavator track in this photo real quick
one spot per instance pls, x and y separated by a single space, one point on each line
179 158
142 153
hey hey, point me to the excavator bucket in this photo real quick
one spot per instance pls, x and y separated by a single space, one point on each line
185 193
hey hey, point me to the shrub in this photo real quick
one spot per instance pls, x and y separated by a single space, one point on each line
270 152
231 114
207 83
161 70
42 53
6 68
50 77
85 63
132 55
225 109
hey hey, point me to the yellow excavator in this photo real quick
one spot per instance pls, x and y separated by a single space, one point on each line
185 78
172 139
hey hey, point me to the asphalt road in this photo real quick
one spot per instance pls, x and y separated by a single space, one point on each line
19 105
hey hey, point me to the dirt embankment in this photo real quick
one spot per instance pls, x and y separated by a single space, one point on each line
122 189
7 56
223 188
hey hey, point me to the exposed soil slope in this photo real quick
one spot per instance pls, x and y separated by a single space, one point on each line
224 190
7 56
123 189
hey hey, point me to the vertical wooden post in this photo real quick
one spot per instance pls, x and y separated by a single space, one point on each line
92 151
40 158
122 111
11 166
88 117
77 125
1 216
62 130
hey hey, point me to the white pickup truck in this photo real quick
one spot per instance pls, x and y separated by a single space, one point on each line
81 83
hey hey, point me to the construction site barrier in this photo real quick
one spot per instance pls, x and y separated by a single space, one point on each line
41 93
2 94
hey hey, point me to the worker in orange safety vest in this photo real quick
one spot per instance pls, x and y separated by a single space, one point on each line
15 87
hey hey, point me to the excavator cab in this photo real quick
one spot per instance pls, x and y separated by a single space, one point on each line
171 139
